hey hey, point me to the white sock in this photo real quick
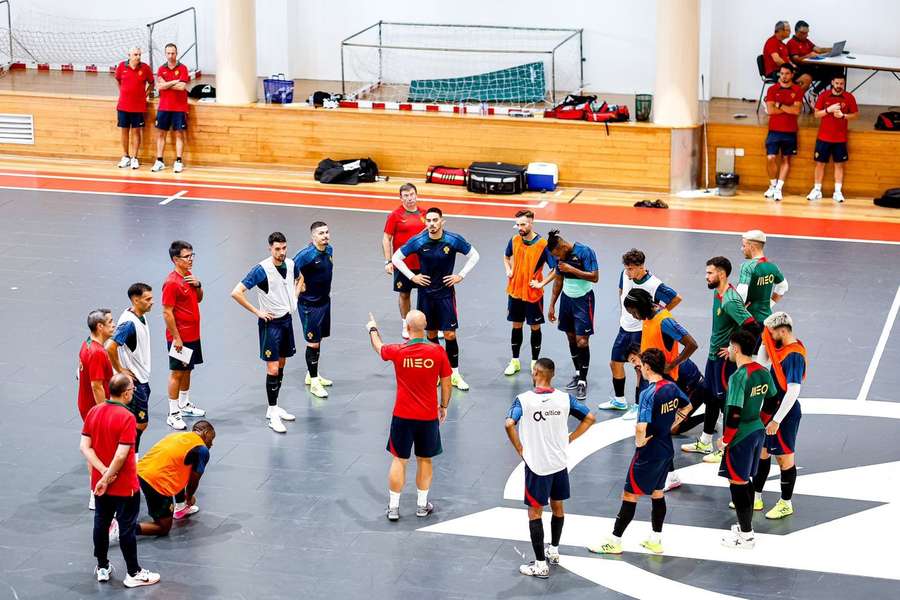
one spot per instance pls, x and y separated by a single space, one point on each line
269 411
706 438
817 187
456 370
179 506
616 539
772 182
394 501
656 537
540 564
173 407
422 498
621 400
747 535
554 549
183 398
758 497
788 502
779 184
837 188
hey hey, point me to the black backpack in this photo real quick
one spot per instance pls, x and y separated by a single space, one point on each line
890 199
347 172
318 98
202 90
888 121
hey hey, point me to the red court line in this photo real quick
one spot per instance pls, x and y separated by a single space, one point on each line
576 213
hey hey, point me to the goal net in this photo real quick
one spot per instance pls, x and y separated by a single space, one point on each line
411 62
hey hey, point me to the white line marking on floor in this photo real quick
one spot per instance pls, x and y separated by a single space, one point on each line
173 197
879 348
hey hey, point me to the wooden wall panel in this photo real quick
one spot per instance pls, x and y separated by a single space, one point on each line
632 156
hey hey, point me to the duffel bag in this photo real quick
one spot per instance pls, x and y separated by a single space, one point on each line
890 199
445 175
496 178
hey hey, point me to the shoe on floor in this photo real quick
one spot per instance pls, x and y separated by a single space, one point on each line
284 415
424 511
124 163
713 457
698 447
178 167
757 504
608 547
782 509
458 382
631 414
189 410
654 547
778 196
275 424
514 366
581 391
143 577
837 197
186 512
769 193
533 570
135 163
814 195
393 513
157 166
552 555
673 482
322 380
175 421
317 389
103 573
613 404
736 539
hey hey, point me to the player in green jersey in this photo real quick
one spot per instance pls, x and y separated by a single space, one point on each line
761 282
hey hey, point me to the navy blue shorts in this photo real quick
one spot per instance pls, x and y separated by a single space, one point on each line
522 311
837 151
624 340
171 119
440 313
541 488
740 461
140 402
405 434
196 357
784 142
576 315
130 119
646 476
402 284
785 439
316 321
276 338
716 377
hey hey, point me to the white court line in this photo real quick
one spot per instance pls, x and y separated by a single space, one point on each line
456 216
173 197
879 348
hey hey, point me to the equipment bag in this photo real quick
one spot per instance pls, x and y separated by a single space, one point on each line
347 172
496 178
202 90
325 99
607 113
445 175
890 199
572 107
888 121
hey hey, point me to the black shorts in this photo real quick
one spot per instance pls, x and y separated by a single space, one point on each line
402 284
522 311
276 338
440 313
624 340
158 506
171 119
576 315
646 476
740 460
316 321
130 119
407 433
837 151
716 377
784 142
196 357
784 441
540 488
140 402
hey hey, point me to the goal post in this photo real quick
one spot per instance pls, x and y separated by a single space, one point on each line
413 62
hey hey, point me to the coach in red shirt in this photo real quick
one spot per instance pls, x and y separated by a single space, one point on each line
405 222
107 442
783 103
94 368
181 297
776 53
172 79
418 364
135 82
834 108
800 48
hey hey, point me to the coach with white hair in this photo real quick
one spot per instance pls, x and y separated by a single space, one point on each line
135 82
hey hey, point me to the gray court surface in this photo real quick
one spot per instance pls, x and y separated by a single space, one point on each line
302 515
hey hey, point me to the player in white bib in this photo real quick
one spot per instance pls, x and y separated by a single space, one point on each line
541 439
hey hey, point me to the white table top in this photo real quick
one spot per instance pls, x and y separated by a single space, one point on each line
860 61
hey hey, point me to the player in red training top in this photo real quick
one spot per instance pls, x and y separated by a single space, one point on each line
135 82
417 416
834 108
172 79
405 222
783 103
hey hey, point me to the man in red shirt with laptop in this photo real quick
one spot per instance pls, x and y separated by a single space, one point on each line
135 82
776 53
834 108
172 79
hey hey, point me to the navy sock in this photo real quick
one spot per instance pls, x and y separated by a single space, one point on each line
762 473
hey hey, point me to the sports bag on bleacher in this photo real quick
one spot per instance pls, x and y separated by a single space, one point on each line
496 178
445 175
888 121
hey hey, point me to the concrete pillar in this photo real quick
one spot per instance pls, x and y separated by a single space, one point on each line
236 51
675 99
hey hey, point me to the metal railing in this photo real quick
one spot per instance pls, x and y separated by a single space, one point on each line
151 26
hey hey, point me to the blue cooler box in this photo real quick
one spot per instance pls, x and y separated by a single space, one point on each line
542 177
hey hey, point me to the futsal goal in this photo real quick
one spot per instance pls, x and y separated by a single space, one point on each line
442 63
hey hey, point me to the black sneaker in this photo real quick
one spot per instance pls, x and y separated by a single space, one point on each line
572 384
581 391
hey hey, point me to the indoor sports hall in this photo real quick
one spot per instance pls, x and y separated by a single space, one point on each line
643 125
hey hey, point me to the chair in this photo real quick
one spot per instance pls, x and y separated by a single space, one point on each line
763 77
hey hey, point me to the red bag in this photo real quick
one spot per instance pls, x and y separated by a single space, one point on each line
571 108
615 113
445 175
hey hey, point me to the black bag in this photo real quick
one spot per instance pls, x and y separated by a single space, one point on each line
888 121
496 178
202 90
347 172
890 199
319 98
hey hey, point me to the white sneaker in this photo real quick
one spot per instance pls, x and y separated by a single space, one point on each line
144 577
135 163
317 389
92 503
176 422
837 197
113 532
284 415
778 196
322 380
814 195
185 511
737 539
535 571
631 414
178 167
552 555
275 424
157 166
124 162
770 193
405 332
189 410
673 482
103 574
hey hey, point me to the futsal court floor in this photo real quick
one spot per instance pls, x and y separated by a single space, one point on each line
301 515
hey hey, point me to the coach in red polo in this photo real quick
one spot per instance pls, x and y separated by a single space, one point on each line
172 79
135 82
